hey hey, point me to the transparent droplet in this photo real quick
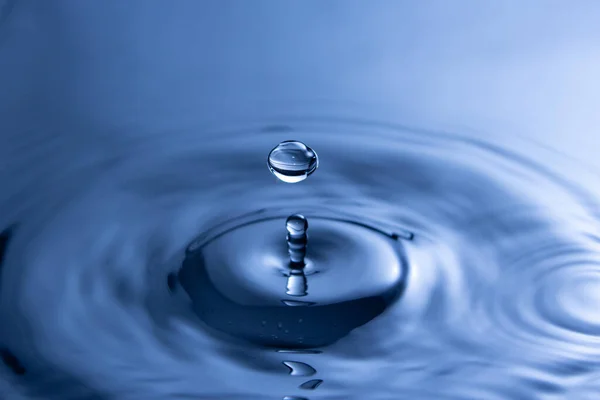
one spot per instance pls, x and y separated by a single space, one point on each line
296 224
292 161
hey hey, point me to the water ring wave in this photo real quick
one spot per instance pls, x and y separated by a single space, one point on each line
502 300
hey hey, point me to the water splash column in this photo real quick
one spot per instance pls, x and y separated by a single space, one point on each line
297 240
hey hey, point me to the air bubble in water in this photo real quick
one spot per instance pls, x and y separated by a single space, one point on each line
292 161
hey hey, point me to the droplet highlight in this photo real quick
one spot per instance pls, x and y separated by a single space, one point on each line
292 161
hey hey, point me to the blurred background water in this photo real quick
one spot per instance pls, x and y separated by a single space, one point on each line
125 126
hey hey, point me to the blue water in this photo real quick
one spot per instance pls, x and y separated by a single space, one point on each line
109 169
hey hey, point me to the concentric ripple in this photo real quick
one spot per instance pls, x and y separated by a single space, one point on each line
502 298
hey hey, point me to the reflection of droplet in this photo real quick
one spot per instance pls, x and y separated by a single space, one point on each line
296 225
299 368
292 161
296 303
312 384
294 398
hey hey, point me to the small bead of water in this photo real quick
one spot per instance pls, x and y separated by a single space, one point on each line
292 161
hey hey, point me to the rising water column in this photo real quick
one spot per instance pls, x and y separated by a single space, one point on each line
297 241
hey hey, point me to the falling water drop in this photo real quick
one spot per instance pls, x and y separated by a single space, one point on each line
292 161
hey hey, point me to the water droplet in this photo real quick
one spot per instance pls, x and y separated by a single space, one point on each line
296 224
299 368
279 325
263 323
294 398
312 384
292 161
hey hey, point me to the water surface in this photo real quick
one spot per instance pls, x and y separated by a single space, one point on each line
501 301
122 139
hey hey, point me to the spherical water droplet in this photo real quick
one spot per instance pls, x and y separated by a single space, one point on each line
296 224
292 161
